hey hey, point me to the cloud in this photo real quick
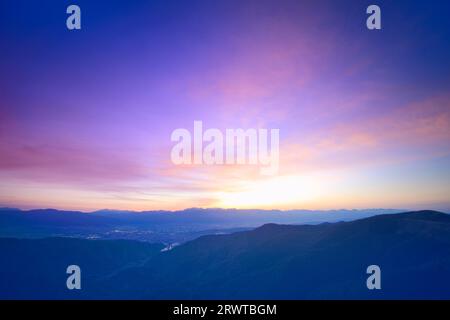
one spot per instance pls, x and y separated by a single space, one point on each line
417 130
67 164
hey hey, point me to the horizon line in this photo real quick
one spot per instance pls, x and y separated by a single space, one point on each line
3 208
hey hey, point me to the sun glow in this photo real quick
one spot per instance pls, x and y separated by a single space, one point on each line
277 192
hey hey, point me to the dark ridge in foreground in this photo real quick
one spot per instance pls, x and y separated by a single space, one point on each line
325 261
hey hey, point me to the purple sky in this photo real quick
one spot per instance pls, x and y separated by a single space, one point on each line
86 116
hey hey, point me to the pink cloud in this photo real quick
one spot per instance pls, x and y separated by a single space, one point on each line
413 131
67 164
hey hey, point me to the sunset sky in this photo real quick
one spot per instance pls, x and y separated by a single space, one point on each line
86 116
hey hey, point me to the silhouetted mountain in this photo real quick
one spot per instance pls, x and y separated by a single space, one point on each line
271 262
158 226
37 268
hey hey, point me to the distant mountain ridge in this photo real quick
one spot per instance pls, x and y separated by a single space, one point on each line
51 222
324 261
158 226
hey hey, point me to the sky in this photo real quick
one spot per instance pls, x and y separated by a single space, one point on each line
86 115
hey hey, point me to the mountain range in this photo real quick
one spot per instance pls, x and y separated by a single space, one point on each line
158 226
310 261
